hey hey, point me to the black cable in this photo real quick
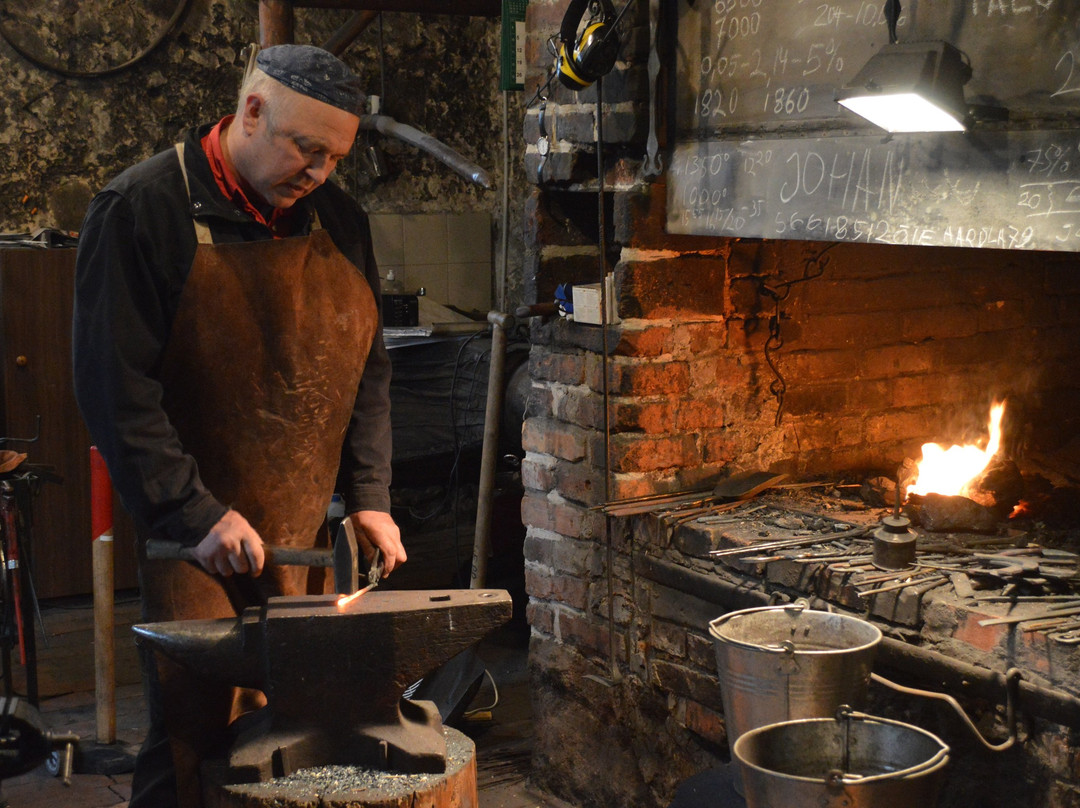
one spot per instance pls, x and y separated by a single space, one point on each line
382 66
53 67
892 15
451 483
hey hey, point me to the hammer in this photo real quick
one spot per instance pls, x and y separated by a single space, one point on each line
343 557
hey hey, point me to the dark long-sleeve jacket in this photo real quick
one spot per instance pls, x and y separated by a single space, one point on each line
135 250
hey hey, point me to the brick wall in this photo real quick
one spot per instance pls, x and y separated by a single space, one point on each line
877 349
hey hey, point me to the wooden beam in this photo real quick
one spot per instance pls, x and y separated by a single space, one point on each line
347 34
468 8
277 22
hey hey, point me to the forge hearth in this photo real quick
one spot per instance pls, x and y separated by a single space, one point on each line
818 540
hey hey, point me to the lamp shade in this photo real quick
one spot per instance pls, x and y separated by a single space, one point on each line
911 87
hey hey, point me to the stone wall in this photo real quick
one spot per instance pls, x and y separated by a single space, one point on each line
64 136
808 358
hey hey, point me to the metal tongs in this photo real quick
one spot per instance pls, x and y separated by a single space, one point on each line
374 572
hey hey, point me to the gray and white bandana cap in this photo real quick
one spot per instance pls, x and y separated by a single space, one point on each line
315 73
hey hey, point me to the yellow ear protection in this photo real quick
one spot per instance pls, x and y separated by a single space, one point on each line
583 59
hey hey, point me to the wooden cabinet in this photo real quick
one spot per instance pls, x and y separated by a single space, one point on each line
37 288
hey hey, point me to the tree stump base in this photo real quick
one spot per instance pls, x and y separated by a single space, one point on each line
354 786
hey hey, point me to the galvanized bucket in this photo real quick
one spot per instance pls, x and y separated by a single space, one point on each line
778 663
853 761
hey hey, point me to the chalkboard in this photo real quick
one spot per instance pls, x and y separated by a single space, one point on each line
763 150
1009 190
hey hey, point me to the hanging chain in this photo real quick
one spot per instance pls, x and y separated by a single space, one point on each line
774 343
813 268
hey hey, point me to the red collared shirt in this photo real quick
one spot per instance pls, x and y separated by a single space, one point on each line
282 222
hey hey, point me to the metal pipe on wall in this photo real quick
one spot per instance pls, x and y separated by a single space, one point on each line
344 36
277 22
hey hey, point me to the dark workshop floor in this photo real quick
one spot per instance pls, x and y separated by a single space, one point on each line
67 704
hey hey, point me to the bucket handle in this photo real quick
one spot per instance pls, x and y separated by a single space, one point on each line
1012 687
785 647
837 778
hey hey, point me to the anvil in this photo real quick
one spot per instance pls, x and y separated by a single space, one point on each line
334 676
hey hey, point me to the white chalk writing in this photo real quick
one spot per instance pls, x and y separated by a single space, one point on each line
856 179
1011 8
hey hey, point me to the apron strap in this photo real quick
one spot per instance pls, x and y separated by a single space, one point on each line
202 229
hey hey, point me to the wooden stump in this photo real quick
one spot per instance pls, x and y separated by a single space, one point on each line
354 786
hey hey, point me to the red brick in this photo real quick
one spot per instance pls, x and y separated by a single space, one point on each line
708 724
648 416
654 378
893 361
536 512
582 523
544 15
571 591
984 638
815 399
669 638
939 323
541 616
695 414
701 651
537 476
575 558
543 585
587 633
1003 315
548 436
703 339
633 486
968 351
746 300
835 331
580 482
539 549
547 219
541 400
685 286
554 367
641 453
841 365
646 342
581 407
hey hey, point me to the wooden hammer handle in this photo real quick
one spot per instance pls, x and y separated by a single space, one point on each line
281 556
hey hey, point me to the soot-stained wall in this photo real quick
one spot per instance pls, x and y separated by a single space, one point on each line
65 131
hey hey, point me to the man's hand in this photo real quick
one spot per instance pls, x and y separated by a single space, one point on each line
377 529
232 545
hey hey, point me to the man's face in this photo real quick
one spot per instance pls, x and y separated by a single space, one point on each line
290 149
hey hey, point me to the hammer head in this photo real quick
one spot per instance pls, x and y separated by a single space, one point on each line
334 676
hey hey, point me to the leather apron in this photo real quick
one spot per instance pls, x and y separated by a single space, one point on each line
260 375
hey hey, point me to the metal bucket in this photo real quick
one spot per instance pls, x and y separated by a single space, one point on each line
854 761
779 663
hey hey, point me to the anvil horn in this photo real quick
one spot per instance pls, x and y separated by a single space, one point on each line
212 649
